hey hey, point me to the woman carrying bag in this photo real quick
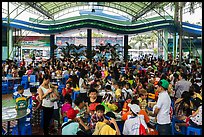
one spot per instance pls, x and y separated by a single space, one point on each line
46 95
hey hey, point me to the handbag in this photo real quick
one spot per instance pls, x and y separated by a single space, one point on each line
142 130
97 131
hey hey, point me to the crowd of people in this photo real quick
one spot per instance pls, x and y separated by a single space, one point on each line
112 90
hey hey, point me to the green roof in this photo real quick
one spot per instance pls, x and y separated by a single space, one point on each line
134 9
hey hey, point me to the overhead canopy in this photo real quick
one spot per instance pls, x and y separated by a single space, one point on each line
104 21
134 9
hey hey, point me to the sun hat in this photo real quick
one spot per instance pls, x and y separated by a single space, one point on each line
134 107
71 113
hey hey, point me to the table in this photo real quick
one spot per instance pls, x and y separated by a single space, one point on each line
34 83
54 83
10 113
26 93
10 78
57 77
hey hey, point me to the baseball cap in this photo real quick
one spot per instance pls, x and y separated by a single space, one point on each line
134 107
164 83
71 113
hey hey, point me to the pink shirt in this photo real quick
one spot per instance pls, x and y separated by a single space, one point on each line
65 107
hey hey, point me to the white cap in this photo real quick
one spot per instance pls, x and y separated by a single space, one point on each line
134 107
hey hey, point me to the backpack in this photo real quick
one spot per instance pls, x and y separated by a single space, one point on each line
21 103
67 123
97 131
80 132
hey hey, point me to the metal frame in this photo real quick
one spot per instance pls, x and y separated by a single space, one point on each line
44 12
147 8
137 11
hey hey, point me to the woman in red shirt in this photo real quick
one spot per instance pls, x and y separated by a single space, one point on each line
67 89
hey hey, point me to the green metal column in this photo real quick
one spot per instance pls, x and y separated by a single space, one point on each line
10 44
20 49
165 44
175 44
175 39
8 23
180 32
190 47
160 44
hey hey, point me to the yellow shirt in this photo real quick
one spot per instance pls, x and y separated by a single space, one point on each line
105 73
118 93
198 96
109 64
105 130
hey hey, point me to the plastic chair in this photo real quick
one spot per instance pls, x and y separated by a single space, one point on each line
194 130
75 94
174 131
24 81
32 78
60 87
65 78
25 78
4 87
24 84
15 130
26 129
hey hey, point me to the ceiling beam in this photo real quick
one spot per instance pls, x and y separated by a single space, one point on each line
38 8
146 9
